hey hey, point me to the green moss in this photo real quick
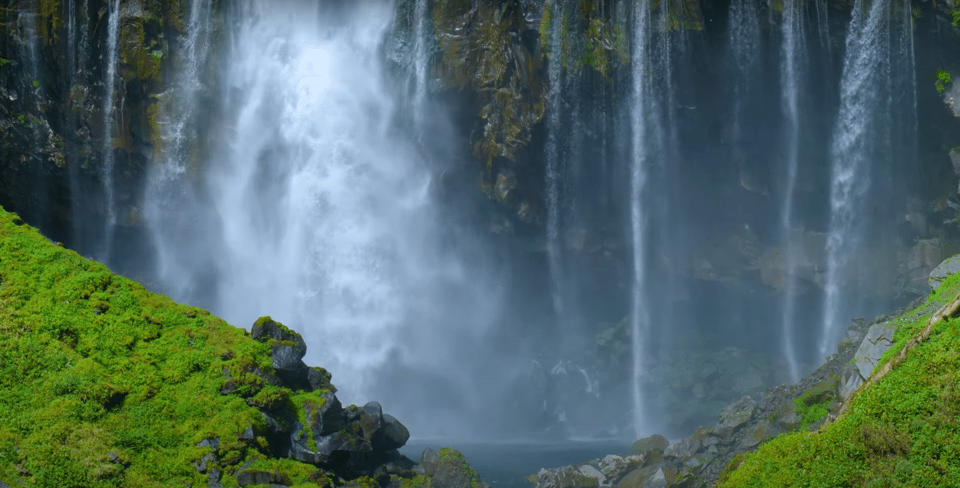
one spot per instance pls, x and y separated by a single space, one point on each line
943 79
92 363
49 21
546 22
137 57
902 431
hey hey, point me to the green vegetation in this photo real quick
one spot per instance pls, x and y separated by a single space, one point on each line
104 384
943 79
902 431
812 408
955 14
4 62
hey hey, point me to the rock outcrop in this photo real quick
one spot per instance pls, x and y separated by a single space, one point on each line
699 459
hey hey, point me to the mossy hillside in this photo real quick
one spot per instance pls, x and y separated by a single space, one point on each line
104 384
902 431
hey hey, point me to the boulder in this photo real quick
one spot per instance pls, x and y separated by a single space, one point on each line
453 471
735 416
266 330
393 435
879 338
614 467
656 442
429 461
252 476
948 267
684 449
570 477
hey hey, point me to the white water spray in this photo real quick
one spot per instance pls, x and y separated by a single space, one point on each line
862 102
328 218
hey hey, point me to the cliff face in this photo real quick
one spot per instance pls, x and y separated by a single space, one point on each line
487 62
57 86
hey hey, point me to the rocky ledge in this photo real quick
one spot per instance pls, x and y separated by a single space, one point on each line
702 458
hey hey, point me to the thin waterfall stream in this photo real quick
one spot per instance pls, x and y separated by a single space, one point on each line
791 73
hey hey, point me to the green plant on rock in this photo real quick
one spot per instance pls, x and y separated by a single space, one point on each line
943 79
812 408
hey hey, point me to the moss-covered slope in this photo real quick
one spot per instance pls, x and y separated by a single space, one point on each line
104 384
903 430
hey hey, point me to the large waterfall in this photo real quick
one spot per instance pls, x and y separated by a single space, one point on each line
603 217
323 215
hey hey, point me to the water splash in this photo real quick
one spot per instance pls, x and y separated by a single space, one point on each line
791 73
110 89
859 133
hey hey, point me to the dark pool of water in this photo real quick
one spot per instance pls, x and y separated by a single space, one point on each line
507 464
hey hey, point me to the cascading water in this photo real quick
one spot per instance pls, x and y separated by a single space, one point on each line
110 89
171 209
421 59
646 133
320 212
860 132
554 154
791 72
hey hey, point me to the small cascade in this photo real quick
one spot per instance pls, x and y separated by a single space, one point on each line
645 126
858 145
110 90
791 74
421 60
28 22
169 204
555 156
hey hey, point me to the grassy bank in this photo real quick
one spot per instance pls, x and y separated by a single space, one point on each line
104 384
903 431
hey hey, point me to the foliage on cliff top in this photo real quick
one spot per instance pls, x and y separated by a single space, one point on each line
902 431
104 384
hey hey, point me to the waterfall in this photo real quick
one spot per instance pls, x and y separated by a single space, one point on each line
171 209
110 88
793 54
421 59
860 132
318 210
32 44
645 125
554 155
